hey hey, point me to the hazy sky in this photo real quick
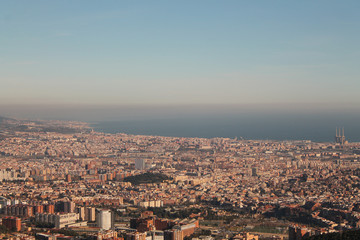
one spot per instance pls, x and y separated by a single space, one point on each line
179 52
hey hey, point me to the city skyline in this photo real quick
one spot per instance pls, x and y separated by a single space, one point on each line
66 176
179 120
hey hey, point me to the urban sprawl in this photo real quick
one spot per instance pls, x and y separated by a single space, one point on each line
63 181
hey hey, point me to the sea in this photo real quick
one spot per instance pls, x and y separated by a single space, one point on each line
314 127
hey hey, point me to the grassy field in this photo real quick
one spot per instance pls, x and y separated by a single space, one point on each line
212 223
267 229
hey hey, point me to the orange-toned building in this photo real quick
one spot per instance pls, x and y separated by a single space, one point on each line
172 230
12 223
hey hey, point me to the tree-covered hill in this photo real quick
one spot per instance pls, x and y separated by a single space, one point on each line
147 178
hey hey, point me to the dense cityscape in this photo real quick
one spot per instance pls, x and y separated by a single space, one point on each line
179 120
62 180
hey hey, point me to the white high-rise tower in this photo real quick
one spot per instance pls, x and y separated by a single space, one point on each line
104 219
140 164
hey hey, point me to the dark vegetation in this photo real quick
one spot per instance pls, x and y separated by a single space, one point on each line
298 215
347 235
44 225
65 232
197 234
147 178
3 229
182 213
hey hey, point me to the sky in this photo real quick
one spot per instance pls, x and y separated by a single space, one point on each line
180 53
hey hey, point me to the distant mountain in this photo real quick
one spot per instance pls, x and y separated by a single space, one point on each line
2 118
11 125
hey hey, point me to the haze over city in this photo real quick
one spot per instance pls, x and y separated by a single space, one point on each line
179 120
179 53
126 61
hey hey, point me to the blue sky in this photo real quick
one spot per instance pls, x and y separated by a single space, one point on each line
180 52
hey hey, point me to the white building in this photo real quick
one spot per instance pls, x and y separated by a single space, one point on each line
154 203
58 220
4 202
104 219
156 235
8 174
140 164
